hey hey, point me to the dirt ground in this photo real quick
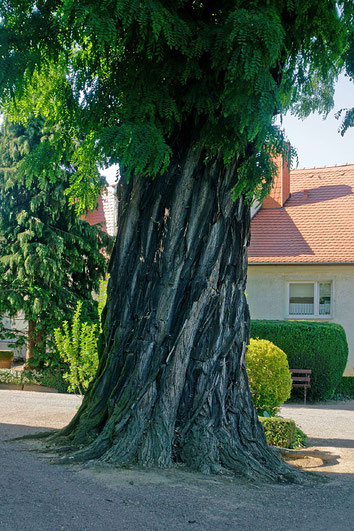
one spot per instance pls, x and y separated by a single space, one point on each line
37 495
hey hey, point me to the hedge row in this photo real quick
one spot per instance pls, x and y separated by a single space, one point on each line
321 347
47 379
346 387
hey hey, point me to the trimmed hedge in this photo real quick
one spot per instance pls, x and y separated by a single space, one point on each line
279 431
321 347
282 432
346 387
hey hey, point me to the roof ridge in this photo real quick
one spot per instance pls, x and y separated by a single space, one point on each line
312 168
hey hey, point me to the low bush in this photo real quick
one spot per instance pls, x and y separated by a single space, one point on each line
54 379
321 347
269 376
282 432
11 376
30 377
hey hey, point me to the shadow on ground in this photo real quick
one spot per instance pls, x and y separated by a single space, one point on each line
335 443
41 496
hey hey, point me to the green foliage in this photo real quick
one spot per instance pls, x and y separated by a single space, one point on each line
345 389
269 376
28 377
300 438
321 347
102 298
54 379
282 432
130 81
13 377
49 258
78 348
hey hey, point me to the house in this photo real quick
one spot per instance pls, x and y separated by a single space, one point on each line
106 212
301 255
106 216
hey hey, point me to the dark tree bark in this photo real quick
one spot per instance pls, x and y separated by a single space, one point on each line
35 341
172 384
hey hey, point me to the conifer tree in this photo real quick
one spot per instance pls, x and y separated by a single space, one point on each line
49 258
183 94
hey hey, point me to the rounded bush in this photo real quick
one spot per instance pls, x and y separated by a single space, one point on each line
269 375
321 347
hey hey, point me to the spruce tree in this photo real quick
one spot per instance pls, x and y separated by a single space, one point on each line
183 94
49 258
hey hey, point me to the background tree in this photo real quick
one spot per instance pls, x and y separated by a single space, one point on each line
185 92
49 258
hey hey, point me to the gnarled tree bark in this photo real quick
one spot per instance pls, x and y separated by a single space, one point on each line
172 384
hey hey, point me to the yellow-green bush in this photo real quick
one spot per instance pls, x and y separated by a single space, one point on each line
269 376
278 431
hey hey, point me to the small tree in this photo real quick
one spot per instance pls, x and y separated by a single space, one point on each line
77 345
49 258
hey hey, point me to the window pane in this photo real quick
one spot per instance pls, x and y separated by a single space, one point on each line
302 299
325 298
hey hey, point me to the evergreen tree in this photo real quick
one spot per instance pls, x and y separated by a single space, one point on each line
183 94
49 258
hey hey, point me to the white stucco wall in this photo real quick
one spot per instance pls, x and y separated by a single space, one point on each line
18 323
267 290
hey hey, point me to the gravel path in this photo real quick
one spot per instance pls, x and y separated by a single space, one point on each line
37 495
330 427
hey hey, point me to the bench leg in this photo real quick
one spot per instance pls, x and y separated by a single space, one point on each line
305 390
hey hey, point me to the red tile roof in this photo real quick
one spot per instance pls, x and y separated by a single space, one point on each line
316 224
106 212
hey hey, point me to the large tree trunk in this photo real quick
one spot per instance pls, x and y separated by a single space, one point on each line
172 384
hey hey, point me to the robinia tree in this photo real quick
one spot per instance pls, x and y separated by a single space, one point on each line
183 95
49 257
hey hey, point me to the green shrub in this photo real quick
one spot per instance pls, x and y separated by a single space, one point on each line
78 348
300 438
269 375
29 377
11 376
279 432
55 379
345 388
321 347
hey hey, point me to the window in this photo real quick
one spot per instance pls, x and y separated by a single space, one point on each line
310 299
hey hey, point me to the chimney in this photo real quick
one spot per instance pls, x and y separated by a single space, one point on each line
280 191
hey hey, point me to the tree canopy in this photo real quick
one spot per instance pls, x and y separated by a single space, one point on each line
124 77
49 258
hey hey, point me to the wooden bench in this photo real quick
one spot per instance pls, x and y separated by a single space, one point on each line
301 378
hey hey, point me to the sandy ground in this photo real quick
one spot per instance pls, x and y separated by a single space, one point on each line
330 428
37 495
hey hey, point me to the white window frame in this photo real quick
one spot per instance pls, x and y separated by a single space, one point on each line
316 314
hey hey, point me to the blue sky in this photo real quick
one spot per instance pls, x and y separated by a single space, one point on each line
317 141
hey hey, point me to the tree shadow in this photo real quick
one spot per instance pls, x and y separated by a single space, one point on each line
10 432
277 235
319 195
335 443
